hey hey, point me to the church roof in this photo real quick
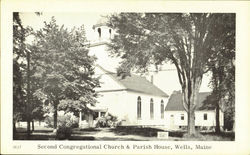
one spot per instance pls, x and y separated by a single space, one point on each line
137 83
175 102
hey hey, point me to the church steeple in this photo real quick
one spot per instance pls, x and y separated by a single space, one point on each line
98 45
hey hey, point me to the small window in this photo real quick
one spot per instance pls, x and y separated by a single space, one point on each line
139 107
103 114
151 108
182 116
205 116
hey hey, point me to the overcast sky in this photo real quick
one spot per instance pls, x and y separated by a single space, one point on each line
69 20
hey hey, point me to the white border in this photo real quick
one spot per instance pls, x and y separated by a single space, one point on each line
239 146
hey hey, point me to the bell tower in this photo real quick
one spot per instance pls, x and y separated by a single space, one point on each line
102 31
98 46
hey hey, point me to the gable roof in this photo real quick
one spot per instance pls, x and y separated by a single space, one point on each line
175 102
136 83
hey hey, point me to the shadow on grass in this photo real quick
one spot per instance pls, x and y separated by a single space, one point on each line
228 136
23 136
146 132
117 139
46 134
89 134
176 135
88 129
42 131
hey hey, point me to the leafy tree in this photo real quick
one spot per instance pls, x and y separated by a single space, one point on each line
19 33
64 68
188 40
24 106
223 70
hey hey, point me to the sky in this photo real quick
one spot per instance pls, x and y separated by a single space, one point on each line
69 20
165 80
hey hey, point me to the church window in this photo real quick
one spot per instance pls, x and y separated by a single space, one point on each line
182 116
162 109
139 107
151 108
99 32
205 116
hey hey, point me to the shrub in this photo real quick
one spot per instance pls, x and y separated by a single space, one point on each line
63 132
65 124
62 119
107 121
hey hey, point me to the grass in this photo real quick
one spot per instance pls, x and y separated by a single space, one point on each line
176 135
146 132
124 133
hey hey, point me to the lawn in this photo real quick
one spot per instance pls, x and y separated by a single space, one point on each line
123 134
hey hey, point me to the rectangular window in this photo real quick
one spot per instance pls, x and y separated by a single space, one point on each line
182 116
205 116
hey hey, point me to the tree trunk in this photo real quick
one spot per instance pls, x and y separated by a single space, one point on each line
217 128
233 126
191 122
55 115
14 129
33 128
28 96
28 127
191 97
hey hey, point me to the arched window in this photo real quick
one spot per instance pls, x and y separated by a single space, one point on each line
139 107
151 108
100 32
162 109
110 31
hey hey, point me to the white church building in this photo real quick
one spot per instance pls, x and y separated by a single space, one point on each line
134 100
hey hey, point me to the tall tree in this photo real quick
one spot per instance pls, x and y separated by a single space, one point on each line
64 68
223 70
188 40
19 54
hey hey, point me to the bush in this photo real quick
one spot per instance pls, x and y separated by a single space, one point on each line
63 132
72 120
107 121
65 124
